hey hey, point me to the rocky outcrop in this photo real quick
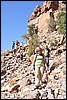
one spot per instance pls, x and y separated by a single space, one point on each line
47 6
41 15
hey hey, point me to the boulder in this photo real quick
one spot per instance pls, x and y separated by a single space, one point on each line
3 72
14 88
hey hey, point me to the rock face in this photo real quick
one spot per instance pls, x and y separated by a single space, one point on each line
48 6
41 15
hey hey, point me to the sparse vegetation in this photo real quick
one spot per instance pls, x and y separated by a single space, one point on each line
33 42
61 22
33 38
24 36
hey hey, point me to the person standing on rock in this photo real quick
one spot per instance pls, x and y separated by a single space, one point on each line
46 54
20 43
17 44
21 51
13 47
38 61
13 44
21 55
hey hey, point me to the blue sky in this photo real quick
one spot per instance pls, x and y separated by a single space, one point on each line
14 20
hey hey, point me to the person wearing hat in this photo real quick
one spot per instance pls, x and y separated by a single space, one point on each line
38 61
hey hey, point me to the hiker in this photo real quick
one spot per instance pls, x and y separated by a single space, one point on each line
14 51
17 44
46 54
13 44
38 61
13 47
20 45
21 55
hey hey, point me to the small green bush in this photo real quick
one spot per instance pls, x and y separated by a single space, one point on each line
61 22
33 43
32 29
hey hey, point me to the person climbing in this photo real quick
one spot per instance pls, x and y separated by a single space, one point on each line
17 44
21 55
38 61
13 44
20 43
13 47
46 54
14 51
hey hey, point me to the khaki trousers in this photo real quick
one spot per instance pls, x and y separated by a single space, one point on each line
39 71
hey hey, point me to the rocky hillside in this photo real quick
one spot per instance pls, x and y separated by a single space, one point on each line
18 76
